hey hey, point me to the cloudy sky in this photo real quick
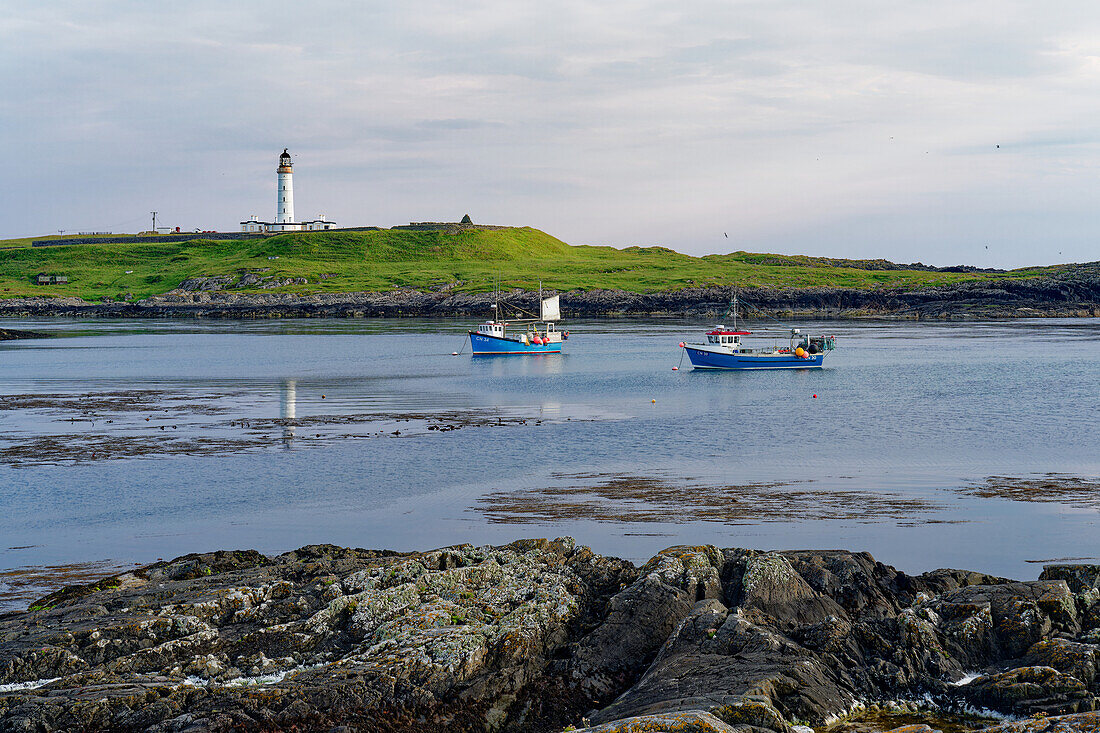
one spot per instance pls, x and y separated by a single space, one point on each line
848 128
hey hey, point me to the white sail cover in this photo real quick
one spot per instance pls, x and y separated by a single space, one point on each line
550 310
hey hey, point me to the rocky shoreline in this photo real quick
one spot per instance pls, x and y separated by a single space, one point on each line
1073 293
546 635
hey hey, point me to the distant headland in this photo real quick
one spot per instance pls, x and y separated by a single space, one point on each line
449 269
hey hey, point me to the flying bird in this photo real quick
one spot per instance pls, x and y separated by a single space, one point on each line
726 235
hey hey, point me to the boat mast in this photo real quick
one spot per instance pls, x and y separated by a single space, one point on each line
496 300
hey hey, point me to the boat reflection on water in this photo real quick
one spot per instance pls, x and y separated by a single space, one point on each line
535 365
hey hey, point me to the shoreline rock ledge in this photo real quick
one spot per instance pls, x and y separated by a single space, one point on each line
1074 293
543 635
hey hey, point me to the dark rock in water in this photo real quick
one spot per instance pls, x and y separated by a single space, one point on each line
537 635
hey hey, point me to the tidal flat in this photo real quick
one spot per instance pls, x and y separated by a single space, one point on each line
626 499
69 429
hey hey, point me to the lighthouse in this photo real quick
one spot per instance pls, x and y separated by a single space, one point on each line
284 209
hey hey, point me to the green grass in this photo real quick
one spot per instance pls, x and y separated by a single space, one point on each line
467 261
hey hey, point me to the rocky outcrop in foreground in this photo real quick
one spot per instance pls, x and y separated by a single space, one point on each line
539 635
1073 292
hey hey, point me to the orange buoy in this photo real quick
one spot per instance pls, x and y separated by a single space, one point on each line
800 352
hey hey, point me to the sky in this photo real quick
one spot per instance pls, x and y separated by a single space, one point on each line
944 132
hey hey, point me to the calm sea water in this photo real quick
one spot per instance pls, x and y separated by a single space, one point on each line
618 450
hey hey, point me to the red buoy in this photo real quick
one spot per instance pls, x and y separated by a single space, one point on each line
681 344
815 397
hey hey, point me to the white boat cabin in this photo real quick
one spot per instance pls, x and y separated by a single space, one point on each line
721 336
491 328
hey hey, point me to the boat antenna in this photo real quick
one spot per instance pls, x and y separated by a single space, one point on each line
732 307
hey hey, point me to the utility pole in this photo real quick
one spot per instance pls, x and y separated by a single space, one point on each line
61 233
154 221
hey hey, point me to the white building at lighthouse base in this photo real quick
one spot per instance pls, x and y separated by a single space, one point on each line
255 225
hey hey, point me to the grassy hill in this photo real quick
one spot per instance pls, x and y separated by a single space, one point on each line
464 261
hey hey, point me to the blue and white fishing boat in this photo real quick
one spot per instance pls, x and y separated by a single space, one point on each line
725 350
521 336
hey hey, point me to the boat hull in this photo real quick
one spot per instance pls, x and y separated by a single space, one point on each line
485 345
703 359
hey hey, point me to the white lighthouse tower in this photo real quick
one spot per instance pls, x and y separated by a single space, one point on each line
284 207
284 211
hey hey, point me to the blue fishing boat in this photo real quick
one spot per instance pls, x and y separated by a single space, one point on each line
724 349
521 336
